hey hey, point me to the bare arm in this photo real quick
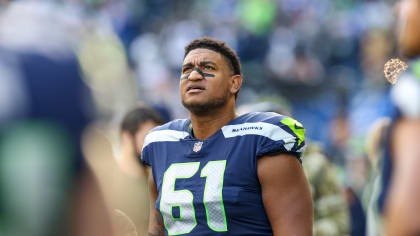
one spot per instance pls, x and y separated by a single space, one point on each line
286 195
403 205
155 222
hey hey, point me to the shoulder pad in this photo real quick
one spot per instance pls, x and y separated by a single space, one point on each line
170 132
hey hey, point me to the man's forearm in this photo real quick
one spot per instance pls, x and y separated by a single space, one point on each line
156 227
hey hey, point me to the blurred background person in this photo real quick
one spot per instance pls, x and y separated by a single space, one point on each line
122 178
131 179
401 171
134 127
46 188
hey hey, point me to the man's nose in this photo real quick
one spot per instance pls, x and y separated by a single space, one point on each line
195 75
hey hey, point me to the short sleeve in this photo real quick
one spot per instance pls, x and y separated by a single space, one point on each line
282 135
146 151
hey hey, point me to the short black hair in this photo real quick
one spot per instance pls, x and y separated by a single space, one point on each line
138 116
217 46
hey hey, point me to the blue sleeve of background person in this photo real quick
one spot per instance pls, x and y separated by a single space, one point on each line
55 93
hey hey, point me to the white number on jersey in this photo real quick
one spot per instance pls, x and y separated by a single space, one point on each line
183 199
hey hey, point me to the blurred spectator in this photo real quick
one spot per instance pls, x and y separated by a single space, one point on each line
134 127
400 194
46 187
123 179
331 211
130 182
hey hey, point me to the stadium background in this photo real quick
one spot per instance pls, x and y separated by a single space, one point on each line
323 60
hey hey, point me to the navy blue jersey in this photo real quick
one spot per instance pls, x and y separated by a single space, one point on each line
211 187
405 97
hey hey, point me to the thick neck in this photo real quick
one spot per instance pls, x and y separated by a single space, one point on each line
206 126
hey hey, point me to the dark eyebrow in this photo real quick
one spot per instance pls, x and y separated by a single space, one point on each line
188 64
203 63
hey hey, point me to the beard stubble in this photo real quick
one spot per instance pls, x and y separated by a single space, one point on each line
204 109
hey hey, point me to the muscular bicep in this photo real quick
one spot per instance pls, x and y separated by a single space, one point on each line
155 222
403 204
286 195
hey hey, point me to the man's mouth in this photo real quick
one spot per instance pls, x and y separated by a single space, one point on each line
195 88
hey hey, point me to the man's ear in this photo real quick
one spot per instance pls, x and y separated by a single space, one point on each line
236 83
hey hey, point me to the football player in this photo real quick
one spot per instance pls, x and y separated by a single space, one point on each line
217 173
